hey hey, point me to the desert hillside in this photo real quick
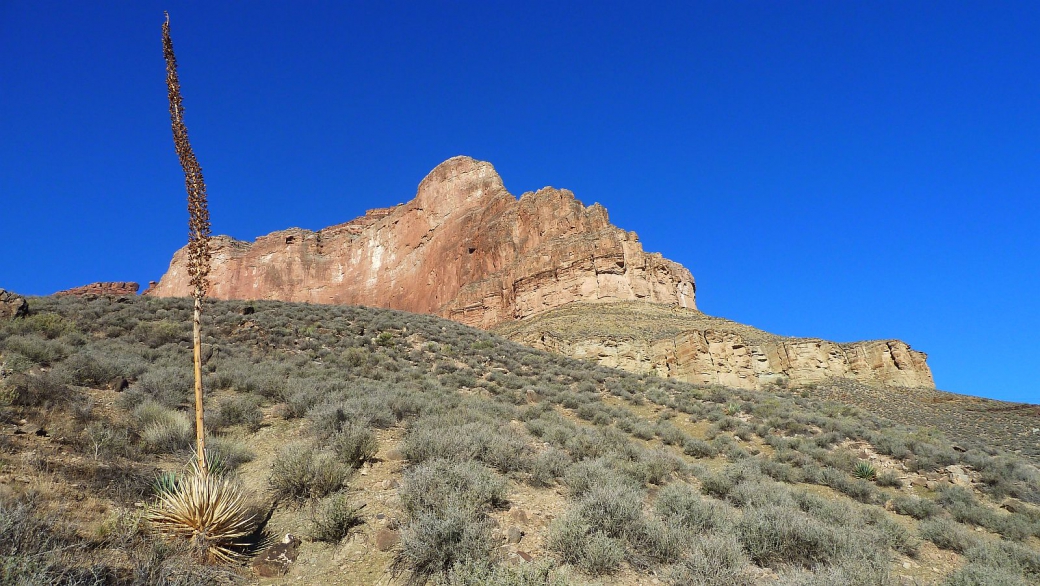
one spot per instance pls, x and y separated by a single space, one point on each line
401 448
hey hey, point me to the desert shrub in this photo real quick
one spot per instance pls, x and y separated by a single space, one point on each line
158 333
45 389
698 448
437 484
581 477
678 503
759 492
721 483
613 508
976 575
241 410
781 471
547 466
90 369
776 536
485 573
713 560
167 385
36 547
228 453
334 517
916 507
889 479
300 473
947 534
859 489
164 430
437 437
355 444
670 434
578 544
435 541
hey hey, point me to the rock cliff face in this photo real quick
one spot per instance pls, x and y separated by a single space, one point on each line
691 346
464 248
109 289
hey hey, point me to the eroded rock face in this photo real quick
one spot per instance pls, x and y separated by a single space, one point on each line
109 289
12 305
694 347
464 248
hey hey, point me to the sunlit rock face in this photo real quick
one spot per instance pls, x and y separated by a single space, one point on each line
688 345
464 248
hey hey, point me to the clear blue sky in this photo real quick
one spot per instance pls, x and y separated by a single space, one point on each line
846 170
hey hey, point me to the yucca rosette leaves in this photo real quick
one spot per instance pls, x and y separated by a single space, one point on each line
208 510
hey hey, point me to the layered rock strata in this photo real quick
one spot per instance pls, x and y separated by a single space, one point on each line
694 347
108 289
464 248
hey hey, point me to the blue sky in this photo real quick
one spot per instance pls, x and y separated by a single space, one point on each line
833 169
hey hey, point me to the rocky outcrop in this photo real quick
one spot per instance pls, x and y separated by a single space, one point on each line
12 305
108 289
464 248
693 347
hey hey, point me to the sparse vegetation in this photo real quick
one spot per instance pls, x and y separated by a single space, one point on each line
635 481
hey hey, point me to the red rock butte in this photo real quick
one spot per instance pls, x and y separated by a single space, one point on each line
464 248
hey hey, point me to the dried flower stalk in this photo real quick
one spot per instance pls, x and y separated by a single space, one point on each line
198 227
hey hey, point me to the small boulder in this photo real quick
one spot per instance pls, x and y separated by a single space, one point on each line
276 560
514 535
386 539
119 384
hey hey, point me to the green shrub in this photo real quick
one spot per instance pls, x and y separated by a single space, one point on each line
864 470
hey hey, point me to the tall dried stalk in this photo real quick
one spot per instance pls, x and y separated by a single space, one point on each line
198 227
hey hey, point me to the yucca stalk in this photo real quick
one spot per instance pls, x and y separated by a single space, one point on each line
198 229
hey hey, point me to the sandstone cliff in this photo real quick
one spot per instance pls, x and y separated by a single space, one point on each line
694 347
464 248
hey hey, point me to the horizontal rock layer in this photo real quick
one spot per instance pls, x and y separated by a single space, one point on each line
110 289
464 248
693 347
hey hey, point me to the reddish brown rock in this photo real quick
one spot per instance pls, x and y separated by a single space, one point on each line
109 289
464 248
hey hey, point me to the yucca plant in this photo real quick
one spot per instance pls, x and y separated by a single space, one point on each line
864 470
205 508
198 228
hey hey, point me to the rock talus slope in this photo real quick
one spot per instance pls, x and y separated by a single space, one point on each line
464 248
